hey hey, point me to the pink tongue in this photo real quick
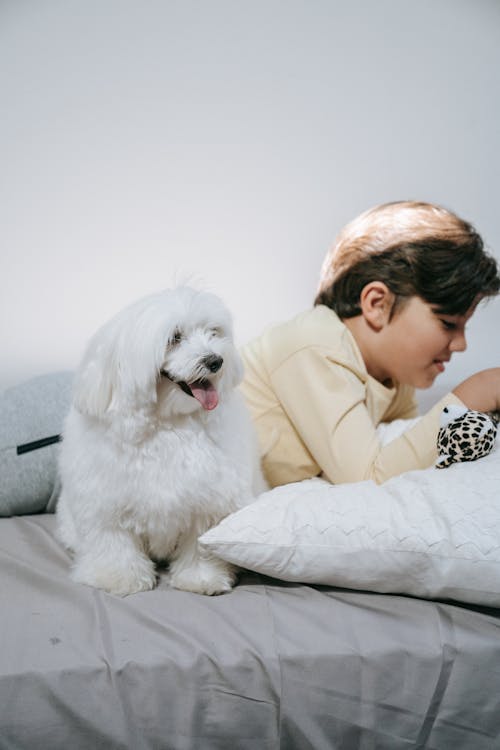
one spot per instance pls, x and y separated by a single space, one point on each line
205 393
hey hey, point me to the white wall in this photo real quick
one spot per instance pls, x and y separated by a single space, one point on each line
146 140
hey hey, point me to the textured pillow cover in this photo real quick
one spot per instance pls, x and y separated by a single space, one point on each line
427 533
31 419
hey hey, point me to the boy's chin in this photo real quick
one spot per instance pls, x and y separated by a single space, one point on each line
425 381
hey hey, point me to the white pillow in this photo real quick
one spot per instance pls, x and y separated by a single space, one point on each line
431 533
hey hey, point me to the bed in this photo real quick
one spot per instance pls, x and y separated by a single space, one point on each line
271 665
276 663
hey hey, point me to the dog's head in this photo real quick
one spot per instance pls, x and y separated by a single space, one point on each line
172 352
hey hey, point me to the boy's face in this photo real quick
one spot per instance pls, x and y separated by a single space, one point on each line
417 343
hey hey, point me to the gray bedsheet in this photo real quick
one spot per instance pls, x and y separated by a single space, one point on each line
270 665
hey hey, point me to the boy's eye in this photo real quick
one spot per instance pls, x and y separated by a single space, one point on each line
449 325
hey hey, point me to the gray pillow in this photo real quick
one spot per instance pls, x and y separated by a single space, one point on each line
31 421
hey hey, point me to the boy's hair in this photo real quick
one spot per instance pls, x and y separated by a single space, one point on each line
416 249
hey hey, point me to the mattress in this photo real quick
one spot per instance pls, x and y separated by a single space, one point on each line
269 665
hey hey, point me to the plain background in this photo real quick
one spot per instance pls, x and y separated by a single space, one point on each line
144 142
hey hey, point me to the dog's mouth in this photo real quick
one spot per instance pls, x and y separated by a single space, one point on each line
202 390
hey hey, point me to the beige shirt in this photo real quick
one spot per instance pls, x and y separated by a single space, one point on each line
316 408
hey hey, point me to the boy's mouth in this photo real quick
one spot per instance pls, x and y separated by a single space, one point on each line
440 363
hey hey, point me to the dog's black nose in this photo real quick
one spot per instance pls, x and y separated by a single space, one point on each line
213 362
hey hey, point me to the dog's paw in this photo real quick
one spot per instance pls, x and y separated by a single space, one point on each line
116 580
203 578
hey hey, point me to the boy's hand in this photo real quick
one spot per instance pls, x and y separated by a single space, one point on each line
481 391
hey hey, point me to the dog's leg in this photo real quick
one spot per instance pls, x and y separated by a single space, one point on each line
194 569
115 562
66 530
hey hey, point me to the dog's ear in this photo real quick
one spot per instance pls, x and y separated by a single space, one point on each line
95 381
240 369
237 367
121 365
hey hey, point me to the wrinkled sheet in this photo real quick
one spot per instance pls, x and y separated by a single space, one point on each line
270 665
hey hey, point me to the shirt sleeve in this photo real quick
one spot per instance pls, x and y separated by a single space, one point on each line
326 403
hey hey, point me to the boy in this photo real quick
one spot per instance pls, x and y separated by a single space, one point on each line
395 294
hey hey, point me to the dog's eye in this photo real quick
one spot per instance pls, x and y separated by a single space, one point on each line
216 332
176 338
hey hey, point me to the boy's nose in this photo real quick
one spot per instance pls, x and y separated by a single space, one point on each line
458 342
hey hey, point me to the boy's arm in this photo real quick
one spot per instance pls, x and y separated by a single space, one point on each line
326 403
481 391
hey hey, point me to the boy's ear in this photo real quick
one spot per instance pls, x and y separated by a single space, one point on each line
376 301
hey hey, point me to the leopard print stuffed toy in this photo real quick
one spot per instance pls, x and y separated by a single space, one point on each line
464 435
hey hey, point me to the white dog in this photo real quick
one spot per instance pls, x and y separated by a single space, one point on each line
157 448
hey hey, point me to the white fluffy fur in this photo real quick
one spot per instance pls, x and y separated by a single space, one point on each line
145 469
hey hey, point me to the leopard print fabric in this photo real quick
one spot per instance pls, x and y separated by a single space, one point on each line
465 438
